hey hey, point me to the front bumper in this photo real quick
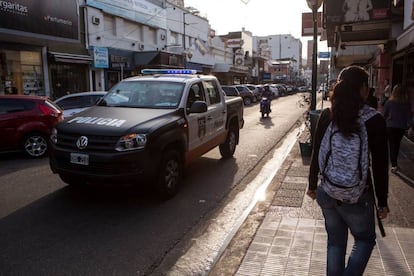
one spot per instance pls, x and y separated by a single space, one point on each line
105 167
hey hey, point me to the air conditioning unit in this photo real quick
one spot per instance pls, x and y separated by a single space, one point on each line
239 61
96 20
141 46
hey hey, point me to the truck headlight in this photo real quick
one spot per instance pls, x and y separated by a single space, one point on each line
53 136
131 141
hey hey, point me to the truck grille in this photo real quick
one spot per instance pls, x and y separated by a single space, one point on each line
95 142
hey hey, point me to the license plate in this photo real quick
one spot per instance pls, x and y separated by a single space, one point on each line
79 158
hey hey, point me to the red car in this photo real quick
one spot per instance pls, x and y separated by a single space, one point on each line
26 123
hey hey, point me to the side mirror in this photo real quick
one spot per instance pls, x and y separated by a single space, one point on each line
198 107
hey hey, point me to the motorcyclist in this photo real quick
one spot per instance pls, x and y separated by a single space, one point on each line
266 92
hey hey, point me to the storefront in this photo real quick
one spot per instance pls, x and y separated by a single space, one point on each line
21 70
120 67
157 59
41 51
228 74
69 73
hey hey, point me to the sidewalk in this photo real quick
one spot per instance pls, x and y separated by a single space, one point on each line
291 239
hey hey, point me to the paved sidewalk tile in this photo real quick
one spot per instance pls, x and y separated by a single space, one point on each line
289 245
291 239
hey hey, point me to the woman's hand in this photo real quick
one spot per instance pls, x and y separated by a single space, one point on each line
383 212
311 194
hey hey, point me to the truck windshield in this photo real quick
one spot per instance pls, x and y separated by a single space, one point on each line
144 94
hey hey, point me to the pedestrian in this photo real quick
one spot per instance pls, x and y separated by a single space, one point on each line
341 216
397 114
371 99
387 92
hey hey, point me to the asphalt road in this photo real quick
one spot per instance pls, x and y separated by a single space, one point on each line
47 228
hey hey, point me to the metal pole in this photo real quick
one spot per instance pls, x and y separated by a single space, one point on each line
314 57
184 46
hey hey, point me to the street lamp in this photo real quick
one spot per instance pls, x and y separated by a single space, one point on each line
314 6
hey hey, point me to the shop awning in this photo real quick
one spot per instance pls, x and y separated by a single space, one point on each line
228 68
144 58
194 66
71 58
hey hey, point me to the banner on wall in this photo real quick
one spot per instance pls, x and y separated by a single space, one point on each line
100 57
307 23
57 19
353 11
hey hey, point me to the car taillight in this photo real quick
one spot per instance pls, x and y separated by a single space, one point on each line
49 110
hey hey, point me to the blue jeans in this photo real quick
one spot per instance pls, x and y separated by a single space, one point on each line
359 218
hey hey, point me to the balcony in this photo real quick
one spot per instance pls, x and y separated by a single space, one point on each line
357 36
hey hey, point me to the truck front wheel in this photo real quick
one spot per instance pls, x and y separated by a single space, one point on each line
228 148
169 174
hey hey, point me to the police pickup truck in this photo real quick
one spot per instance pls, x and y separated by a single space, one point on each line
147 129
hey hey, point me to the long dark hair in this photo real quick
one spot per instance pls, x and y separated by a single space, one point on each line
399 94
346 100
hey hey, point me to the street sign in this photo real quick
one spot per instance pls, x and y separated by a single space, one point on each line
324 55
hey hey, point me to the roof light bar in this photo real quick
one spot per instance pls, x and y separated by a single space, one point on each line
168 71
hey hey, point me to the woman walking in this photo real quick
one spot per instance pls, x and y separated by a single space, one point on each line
357 216
397 114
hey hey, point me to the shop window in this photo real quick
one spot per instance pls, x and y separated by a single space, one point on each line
113 78
67 79
21 73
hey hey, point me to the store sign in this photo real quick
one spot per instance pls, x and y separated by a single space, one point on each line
100 57
58 19
307 24
324 55
234 43
266 76
119 61
345 11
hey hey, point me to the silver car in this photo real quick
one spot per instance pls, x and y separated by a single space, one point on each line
77 102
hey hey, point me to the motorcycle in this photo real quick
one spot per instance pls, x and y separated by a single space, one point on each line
265 106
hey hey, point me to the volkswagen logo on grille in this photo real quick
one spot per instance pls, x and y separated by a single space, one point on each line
82 142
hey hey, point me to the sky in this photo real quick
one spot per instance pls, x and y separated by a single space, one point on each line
260 17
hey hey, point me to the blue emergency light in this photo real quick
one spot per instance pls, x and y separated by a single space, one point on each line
168 72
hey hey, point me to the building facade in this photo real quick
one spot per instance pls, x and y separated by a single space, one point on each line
42 50
55 48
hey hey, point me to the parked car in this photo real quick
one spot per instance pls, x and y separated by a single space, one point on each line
290 88
26 123
77 102
282 89
240 90
230 91
246 94
275 90
256 91
303 89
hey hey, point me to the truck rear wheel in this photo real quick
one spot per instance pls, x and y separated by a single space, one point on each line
228 148
170 174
